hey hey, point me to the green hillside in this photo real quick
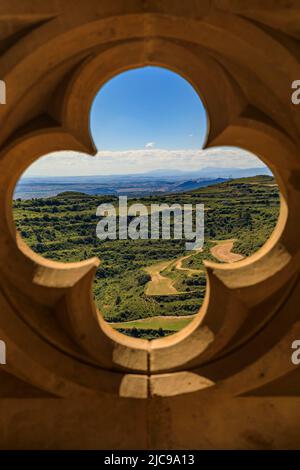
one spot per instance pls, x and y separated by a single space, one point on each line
140 279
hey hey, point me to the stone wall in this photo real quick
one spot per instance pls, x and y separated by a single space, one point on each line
225 381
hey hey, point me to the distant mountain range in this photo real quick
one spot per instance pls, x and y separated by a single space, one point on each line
156 181
211 172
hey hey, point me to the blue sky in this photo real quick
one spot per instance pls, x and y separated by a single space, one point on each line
141 120
149 105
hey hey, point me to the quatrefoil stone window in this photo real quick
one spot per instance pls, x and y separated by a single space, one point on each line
47 111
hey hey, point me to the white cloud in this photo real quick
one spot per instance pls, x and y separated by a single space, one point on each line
140 161
149 145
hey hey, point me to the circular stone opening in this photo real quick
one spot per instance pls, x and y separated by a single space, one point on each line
131 204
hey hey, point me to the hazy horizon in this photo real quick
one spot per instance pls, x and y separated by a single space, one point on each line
141 161
156 172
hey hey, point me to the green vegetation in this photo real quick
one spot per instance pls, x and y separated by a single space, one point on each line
146 279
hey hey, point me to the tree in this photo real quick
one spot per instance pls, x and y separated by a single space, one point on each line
143 279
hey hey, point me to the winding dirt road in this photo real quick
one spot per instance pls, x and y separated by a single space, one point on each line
159 284
162 285
222 252
178 264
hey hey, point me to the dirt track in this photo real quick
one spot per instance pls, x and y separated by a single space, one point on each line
179 266
162 285
159 284
222 252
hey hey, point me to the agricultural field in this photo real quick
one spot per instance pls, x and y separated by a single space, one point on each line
152 288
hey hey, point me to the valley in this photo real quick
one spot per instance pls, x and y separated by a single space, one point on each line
152 288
